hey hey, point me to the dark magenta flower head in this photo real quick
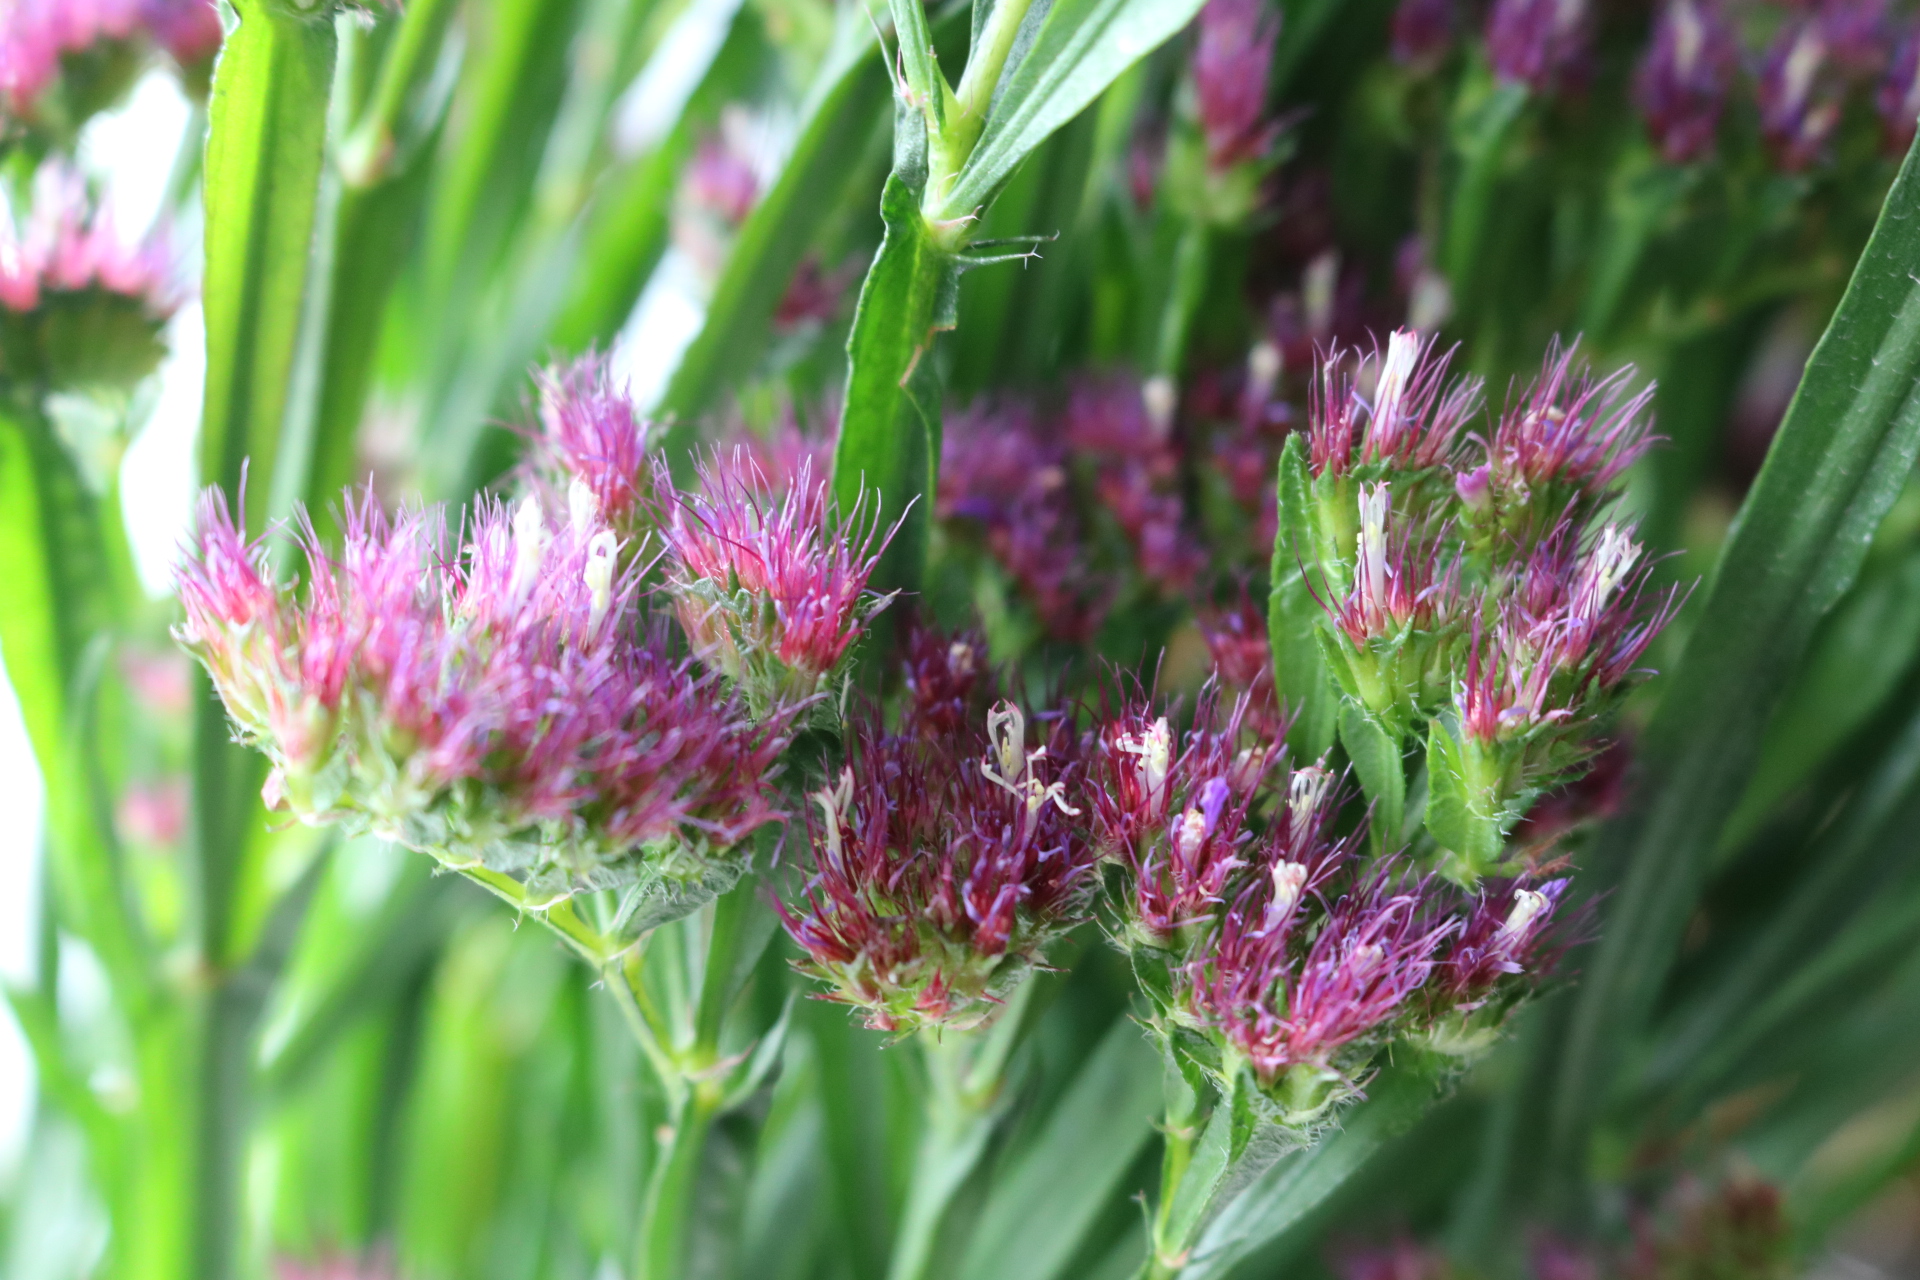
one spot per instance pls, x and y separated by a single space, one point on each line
38 36
1542 44
1508 933
1391 409
943 866
1683 80
590 433
771 588
1236 637
1423 31
946 676
493 704
1800 95
1231 60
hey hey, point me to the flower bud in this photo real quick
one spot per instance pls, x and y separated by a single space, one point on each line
1682 83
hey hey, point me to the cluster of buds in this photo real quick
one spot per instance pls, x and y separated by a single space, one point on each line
1468 581
81 308
1276 953
97 45
770 588
499 707
591 434
944 863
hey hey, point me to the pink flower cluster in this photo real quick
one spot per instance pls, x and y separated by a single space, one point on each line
943 865
69 246
770 586
36 34
1231 60
493 706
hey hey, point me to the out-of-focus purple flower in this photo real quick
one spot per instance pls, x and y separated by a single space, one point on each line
1542 44
1413 420
153 813
1237 642
1231 60
1110 418
1403 1259
591 433
1898 98
36 34
1423 31
1683 81
493 706
70 246
945 675
1856 35
996 471
1567 439
1124 427
943 865
771 588
721 183
814 295
1800 95
773 459
1554 1257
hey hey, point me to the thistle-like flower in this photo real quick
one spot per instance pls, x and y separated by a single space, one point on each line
80 307
1683 81
591 433
1391 409
492 708
1559 448
37 35
1541 44
943 866
771 588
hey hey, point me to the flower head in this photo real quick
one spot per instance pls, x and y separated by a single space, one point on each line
1898 97
1422 31
1541 44
945 676
1412 421
36 35
1683 80
1230 64
494 706
1800 95
771 588
943 865
591 433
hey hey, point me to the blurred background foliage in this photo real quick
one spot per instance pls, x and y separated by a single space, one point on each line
410 1085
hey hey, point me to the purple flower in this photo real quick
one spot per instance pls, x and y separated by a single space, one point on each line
1542 44
36 34
1423 30
1236 637
771 588
591 433
1567 439
1285 1002
721 183
1898 98
1230 65
1505 934
943 865
945 675
1403 579
494 705
1412 419
996 471
1174 809
1683 80
68 246
1800 95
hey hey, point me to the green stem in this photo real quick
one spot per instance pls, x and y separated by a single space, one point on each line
958 1123
1173 1218
1186 292
670 1192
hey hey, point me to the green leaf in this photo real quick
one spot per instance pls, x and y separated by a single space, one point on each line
1845 448
846 104
267 130
1376 757
1461 812
1080 48
1300 672
889 449
1298 1184
1039 1210
1484 118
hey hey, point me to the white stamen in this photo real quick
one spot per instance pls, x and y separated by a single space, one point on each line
1289 879
530 538
1265 363
960 657
1304 794
833 802
599 576
583 509
1370 550
1190 832
1396 370
1527 906
1155 749
1159 399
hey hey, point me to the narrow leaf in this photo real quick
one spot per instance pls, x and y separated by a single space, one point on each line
1299 670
